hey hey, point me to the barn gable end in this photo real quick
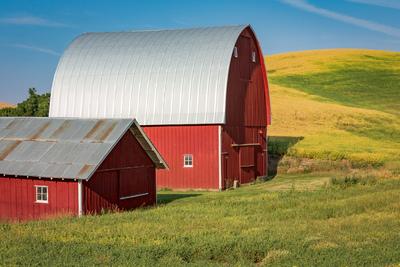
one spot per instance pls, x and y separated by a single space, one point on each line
48 164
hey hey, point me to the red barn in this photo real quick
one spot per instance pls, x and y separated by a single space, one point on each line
54 166
200 94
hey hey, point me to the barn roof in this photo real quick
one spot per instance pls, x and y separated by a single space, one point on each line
63 148
159 77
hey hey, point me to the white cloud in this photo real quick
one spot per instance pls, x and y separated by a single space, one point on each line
32 21
37 49
304 5
395 4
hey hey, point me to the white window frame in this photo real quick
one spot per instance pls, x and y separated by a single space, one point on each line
37 193
188 160
253 56
235 52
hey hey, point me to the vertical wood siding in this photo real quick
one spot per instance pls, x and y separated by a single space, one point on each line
17 198
246 115
173 142
126 166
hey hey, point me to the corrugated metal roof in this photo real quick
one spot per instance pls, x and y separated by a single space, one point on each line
61 147
159 77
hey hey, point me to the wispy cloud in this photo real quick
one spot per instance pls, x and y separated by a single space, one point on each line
32 21
37 49
395 4
304 5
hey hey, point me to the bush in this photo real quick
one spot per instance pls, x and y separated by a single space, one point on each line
351 180
35 105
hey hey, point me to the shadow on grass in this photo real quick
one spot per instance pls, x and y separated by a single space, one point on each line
278 147
166 198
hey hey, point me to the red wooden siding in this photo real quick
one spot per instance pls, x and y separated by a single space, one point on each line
246 94
246 118
126 165
17 198
173 142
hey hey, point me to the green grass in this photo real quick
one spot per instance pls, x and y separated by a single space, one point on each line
291 220
363 86
336 105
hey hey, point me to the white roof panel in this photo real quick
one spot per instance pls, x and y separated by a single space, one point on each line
158 77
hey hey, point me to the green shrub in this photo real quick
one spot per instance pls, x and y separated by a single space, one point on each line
351 180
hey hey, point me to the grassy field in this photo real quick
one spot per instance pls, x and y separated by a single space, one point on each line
339 104
292 220
5 105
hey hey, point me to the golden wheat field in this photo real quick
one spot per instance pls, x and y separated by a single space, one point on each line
331 128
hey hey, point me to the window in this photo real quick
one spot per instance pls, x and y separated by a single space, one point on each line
42 194
253 56
235 52
188 160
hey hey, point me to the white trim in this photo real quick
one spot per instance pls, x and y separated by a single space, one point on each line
133 196
80 208
189 159
47 195
266 152
219 157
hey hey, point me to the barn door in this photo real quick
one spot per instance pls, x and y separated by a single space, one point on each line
247 164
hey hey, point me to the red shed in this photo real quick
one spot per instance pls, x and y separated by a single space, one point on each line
200 94
74 166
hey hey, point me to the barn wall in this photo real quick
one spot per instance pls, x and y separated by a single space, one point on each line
173 142
126 167
246 114
17 198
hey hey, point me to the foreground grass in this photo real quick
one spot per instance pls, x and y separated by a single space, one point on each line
338 104
292 220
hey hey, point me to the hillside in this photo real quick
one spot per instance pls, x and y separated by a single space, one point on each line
323 107
338 104
5 105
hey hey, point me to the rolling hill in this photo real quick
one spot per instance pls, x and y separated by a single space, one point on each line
341 104
325 108
5 105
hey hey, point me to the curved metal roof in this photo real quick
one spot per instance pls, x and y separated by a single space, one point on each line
159 77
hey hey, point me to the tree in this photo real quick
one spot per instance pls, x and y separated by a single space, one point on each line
35 105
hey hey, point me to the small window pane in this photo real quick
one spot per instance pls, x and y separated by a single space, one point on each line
41 194
253 56
235 52
188 160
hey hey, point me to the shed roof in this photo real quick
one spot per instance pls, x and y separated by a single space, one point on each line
159 77
61 147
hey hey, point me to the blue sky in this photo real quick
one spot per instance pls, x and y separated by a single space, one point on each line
33 33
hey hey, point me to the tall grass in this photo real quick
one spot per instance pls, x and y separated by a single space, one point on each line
291 220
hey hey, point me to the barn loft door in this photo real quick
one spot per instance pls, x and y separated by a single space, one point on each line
247 163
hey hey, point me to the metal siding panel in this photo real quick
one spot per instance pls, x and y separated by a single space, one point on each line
145 68
45 147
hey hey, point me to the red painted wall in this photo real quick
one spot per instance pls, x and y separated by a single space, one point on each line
17 198
126 171
173 142
247 114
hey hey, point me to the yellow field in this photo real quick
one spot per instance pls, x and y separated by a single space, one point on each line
5 105
324 124
319 60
